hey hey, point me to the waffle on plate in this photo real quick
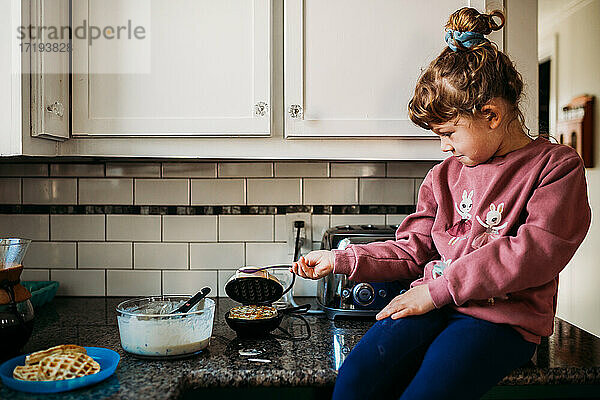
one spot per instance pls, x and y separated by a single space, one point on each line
38 356
57 363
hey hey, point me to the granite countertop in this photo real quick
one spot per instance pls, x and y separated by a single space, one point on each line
569 356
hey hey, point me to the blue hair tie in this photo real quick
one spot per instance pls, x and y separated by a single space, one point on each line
465 39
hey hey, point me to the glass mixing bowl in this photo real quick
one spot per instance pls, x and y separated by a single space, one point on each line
148 330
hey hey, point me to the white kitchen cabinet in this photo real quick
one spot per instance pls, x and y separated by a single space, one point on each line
195 68
351 66
190 89
33 85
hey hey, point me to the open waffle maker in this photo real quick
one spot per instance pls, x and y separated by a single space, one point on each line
258 289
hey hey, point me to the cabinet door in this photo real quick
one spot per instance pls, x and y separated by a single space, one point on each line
351 65
194 68
50 110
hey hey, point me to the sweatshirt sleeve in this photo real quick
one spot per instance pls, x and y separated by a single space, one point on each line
400 259
558 218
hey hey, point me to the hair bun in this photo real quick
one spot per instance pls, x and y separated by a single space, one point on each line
494 26
470 20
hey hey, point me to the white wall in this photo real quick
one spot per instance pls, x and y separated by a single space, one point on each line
576 28
520 43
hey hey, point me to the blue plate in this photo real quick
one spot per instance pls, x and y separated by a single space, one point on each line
108 360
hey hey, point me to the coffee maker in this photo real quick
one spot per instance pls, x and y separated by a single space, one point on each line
16 310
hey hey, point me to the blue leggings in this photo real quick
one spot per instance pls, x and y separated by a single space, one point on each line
439 355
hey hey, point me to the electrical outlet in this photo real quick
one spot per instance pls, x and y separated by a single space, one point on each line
305 233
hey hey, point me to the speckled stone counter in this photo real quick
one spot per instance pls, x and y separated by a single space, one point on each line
570 356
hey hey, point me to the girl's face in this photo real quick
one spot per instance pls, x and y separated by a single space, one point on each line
472 142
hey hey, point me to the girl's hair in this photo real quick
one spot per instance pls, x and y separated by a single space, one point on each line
459 83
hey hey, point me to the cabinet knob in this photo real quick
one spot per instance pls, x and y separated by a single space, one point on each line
56 108
295 111
261 109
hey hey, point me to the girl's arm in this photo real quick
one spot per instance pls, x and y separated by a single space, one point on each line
558 218
400 259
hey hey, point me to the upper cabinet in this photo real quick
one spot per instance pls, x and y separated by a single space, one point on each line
243 79
176 68
351 66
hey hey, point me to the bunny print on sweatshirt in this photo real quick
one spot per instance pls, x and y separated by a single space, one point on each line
439 267
462 227
491 225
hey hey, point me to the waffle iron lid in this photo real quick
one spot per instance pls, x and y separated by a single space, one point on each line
254 288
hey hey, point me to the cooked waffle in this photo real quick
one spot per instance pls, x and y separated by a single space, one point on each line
68 366
27 373
38 356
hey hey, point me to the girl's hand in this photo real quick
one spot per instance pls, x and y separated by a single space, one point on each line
415 301
314 265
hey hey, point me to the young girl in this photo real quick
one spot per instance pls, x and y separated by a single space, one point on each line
494 225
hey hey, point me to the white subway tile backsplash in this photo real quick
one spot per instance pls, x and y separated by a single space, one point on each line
237 228
160 255
77 227
281 232
35 274
49 191
134 170
274 192
339 169
51 255
23 169
79 282
224 276
77 170
245 169
409 169
104 255
133 283
162 191
206 192
386 191
189 282
10 191
109 191
361 219
216 255
320 223
179 254
189 228
138 228
394 219
330 191
261 254
189 170
301 169
29 226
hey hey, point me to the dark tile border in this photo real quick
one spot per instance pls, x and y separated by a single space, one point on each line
204 210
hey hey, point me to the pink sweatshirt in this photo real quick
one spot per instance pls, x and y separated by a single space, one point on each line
488 240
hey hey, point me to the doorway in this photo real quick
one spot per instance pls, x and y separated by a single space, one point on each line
544 98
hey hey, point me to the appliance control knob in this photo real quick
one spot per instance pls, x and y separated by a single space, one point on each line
345 294
382 293
364 294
